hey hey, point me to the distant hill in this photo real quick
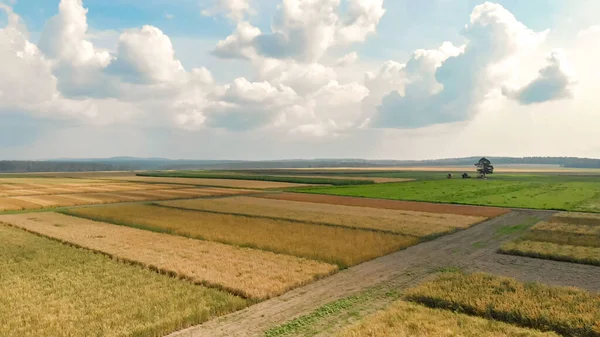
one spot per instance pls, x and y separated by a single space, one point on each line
132 163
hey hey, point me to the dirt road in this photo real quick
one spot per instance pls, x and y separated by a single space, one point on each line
473 249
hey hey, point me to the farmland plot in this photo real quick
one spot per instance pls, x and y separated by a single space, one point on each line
244 271
50 289
339 245
567 311
577 242
389 204
395 221
233 183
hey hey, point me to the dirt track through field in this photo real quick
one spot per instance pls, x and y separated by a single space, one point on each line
473 249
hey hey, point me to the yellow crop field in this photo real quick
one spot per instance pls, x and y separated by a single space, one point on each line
566 234
395 221
588 219
339 245
404 319
11 204
553 251
251 184
244 271
42 181
48 200
567 311
51 289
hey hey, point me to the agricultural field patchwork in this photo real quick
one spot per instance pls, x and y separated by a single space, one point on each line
570 237
333 244
573 193
51 289
395 221
477 211
405 319
566 311
218 182
17 194
247 272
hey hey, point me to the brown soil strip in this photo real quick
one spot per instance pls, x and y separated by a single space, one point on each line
488 212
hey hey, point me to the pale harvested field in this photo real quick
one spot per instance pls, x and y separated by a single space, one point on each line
396 221
483 211
339 245
589 219
565 234
553 251
49 200
244 271
51 289
37 181
404 319
251 184
11 204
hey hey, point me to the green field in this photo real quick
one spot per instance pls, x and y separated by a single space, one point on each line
538 191
243 176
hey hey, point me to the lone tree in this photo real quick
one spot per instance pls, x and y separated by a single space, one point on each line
484 167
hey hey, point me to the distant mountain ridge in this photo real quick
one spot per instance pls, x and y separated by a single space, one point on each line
133 163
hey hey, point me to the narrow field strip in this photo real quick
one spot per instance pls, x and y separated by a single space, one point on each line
565 234
588 219
10 204
390 204
243 271
404 319
395 221
51 289
552 251
339 245
567 311
214 182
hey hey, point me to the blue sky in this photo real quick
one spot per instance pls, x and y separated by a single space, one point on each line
334 84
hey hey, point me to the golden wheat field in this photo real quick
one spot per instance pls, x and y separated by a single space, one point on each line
567 311
51 289
339 245
564 233
395 221
234 183
405 319
553 251
243 271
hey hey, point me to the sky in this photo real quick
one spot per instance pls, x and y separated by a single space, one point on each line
289 79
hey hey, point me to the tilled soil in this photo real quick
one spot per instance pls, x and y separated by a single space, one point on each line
484 211
473 249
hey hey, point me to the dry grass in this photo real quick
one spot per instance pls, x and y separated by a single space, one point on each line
565 234
247 272
567 311
213 182
396 221
50 289
339 245
11 204
588 219
39 181
553 251
50 200
390 204
404 319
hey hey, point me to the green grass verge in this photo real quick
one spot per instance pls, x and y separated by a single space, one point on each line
556 192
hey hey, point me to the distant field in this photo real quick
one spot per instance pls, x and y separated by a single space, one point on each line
559 239
234 183
567 311
395 221
575 193
404 319
256 177
388 204
247 272
339 245
50 289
